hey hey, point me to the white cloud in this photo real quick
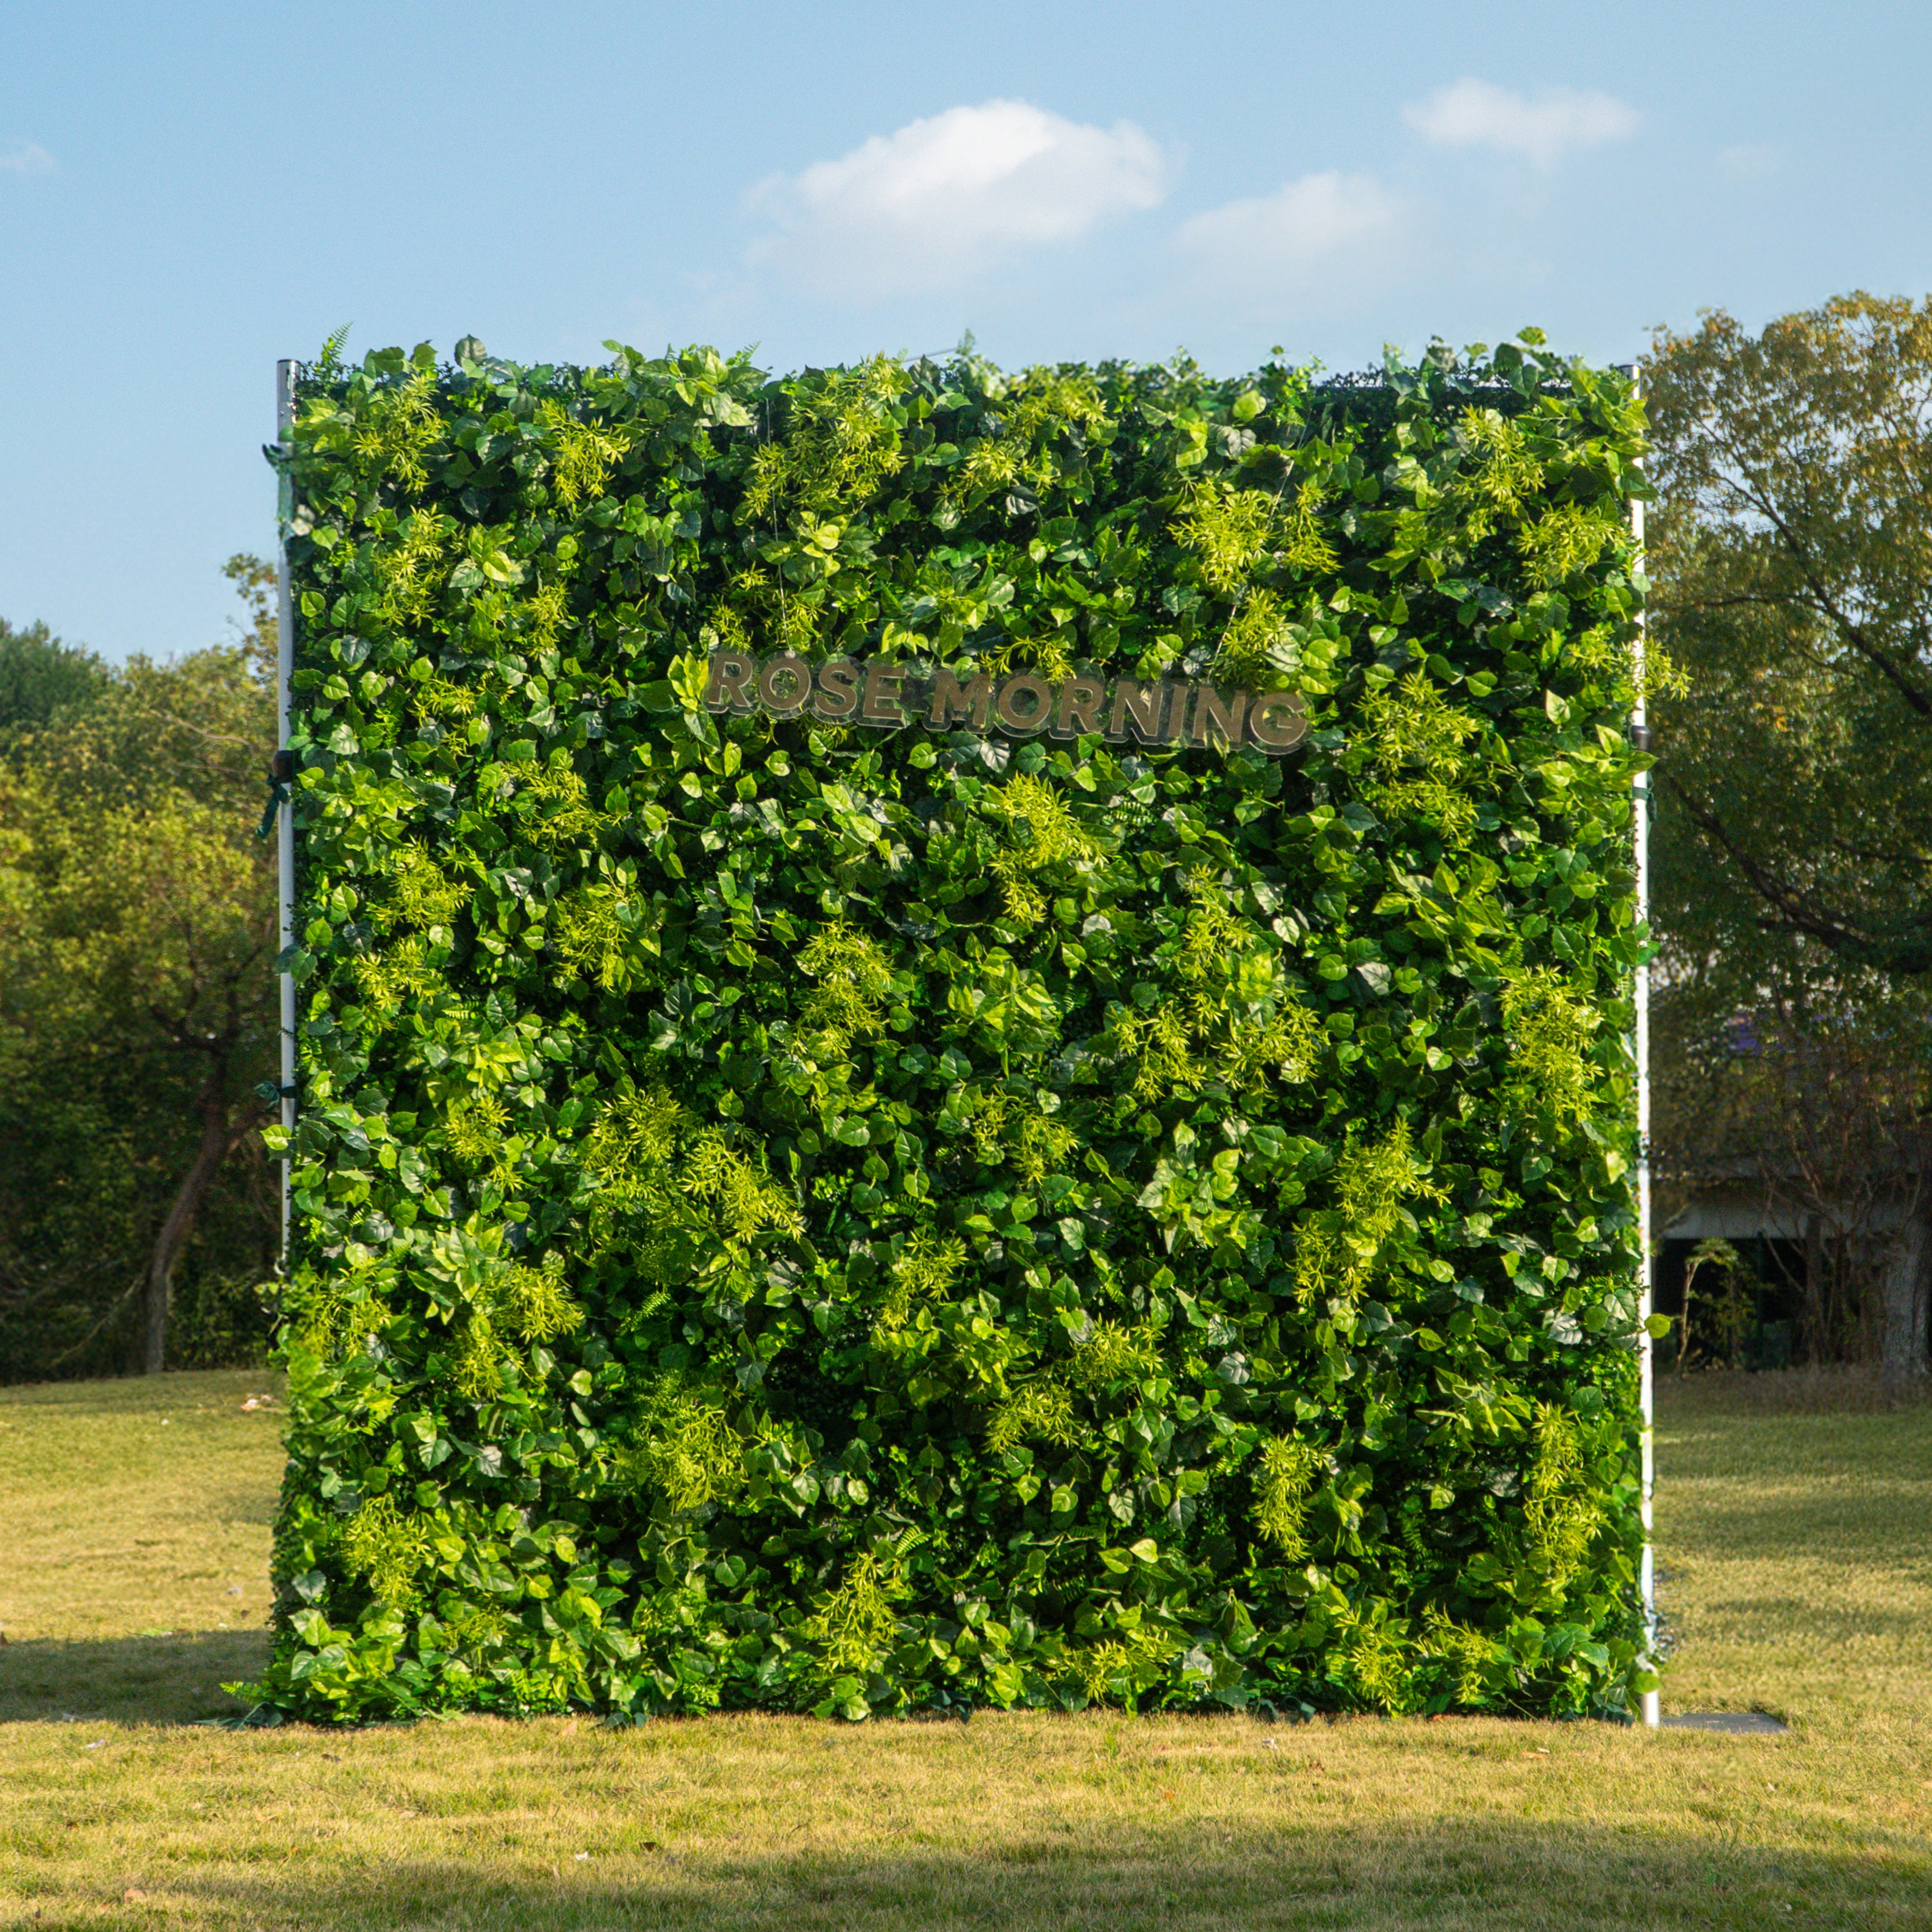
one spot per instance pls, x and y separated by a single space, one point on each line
1752 161
1305 223
25 157
1478 114
945 197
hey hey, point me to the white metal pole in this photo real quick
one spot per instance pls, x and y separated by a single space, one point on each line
1651 1712
285 841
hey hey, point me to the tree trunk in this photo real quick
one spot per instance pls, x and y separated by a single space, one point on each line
1821 1342
216 1139
1902 1304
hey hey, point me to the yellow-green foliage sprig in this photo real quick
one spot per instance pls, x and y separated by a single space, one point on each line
583 455
1112 1352
1041 1412
602 931
388 1549
925 1271
855 981
844 443
1286 1472
1550 1023
1417 739
1227 529
1237 1021
1560 1514
1339 1252
857 1622
1043 833
688 1452
420 893
741 1196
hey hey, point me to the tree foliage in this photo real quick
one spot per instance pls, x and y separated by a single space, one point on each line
1792 545
1792 551
136 1008
793 1217
40 678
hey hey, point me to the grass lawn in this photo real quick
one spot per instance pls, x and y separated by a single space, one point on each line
1795 1535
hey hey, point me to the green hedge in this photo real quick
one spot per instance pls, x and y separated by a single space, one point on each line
850 1221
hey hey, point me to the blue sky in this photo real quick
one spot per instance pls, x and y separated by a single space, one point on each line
186 193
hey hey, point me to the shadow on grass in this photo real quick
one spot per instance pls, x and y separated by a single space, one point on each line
1738 1395
155 1680
1475 1872
1861 1532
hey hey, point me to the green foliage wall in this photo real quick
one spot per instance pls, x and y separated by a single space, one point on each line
849 1222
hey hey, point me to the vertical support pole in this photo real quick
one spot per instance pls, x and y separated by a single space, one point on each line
285 836
1651 1713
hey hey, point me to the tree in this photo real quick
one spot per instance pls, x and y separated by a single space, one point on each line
137 1001
1791 547
40 678
1791 554
153 931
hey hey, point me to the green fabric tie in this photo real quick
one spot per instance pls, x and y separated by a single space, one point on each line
278 796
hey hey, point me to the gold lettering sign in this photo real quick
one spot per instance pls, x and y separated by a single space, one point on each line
885 694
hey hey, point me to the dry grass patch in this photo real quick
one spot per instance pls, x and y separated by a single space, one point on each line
1188 1824
1795 1543
1799 1550
135 1518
